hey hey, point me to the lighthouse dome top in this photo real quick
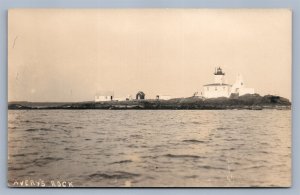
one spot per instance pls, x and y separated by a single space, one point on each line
219 71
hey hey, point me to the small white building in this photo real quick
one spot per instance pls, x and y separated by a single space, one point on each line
239 87
219 88
104 96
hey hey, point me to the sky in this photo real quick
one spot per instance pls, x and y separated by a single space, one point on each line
63 55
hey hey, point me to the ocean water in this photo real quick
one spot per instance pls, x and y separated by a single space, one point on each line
149 148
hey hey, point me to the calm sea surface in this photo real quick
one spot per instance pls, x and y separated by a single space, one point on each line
150 148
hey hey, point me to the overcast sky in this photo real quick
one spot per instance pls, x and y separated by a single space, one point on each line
67 55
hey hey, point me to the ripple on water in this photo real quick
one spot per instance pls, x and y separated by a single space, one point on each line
212 167
122 161
24 154
71 149
113 175
34 121
39 129
43 161
194 141
16 168
183 156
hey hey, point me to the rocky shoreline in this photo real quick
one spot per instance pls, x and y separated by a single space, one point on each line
246 102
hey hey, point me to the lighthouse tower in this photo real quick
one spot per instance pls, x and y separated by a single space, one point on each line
219 76
219 88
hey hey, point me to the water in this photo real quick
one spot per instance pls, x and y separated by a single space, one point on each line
138 148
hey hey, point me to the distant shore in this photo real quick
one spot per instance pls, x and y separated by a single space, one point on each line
246 102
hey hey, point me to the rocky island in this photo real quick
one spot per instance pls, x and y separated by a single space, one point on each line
247 102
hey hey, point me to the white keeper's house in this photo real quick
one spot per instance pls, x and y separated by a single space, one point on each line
221 89
104 95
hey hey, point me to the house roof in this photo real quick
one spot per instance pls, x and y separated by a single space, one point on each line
141 93
217 84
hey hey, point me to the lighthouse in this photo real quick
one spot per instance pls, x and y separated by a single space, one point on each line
219 76
219 88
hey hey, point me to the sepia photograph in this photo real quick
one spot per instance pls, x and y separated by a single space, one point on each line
149 98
